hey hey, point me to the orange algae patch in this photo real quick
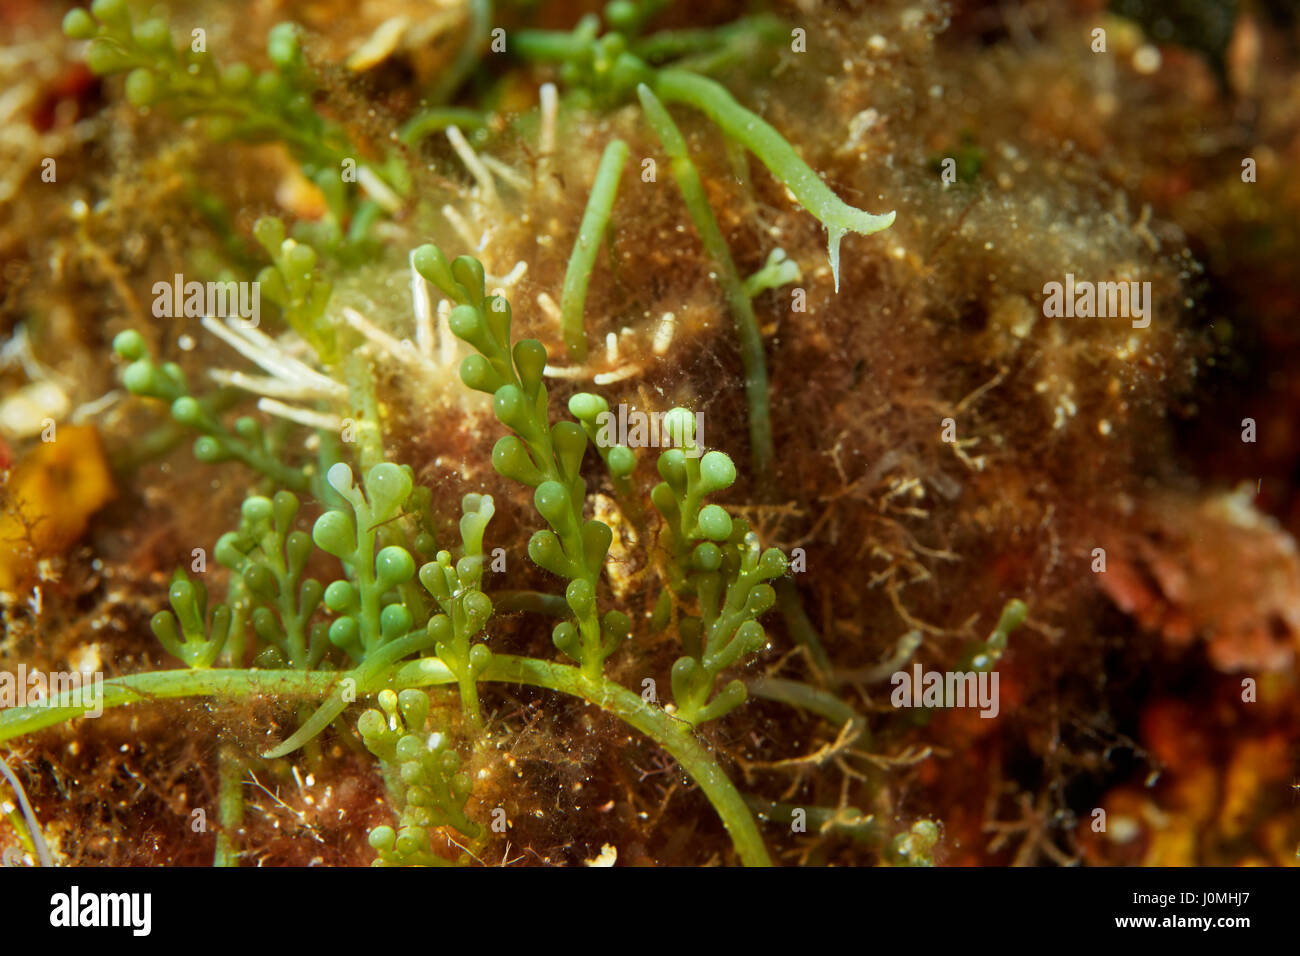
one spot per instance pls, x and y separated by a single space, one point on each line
49 499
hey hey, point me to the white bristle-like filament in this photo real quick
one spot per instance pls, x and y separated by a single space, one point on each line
265 352
618 375
549 308
273 387
475 166
664 333
404 351
458 223
511 277
378 190
447 348
302 416
571 372
423 308
508 175
549 103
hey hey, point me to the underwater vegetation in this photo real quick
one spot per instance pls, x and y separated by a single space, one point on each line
643 434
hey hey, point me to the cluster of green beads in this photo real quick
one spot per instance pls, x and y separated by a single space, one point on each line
187 631
273 104
465 608
547 458
432 789
291 283
716 560
374 603
270 559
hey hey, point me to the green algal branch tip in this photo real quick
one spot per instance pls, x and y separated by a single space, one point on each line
776 153
591 410
716 561
595 222
290 282
188 632
777 270
715 244
984 655
611 66
465 608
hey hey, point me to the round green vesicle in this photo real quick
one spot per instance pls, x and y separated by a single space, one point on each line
530 360
153 35
679 425
343 632
256 508
477 373
282 46
672 468
580 596
394 621
389 486
510 407
545 551
209 450
141 88
335 533
717 472
187 411
340 596
78 25
109 11
715 523
236 78
707 556
393 565
586 407
140 377
552 502
129 344
622 461
370 725
439 628
465 323
104 59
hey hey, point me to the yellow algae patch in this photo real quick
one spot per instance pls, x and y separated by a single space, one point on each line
48 500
